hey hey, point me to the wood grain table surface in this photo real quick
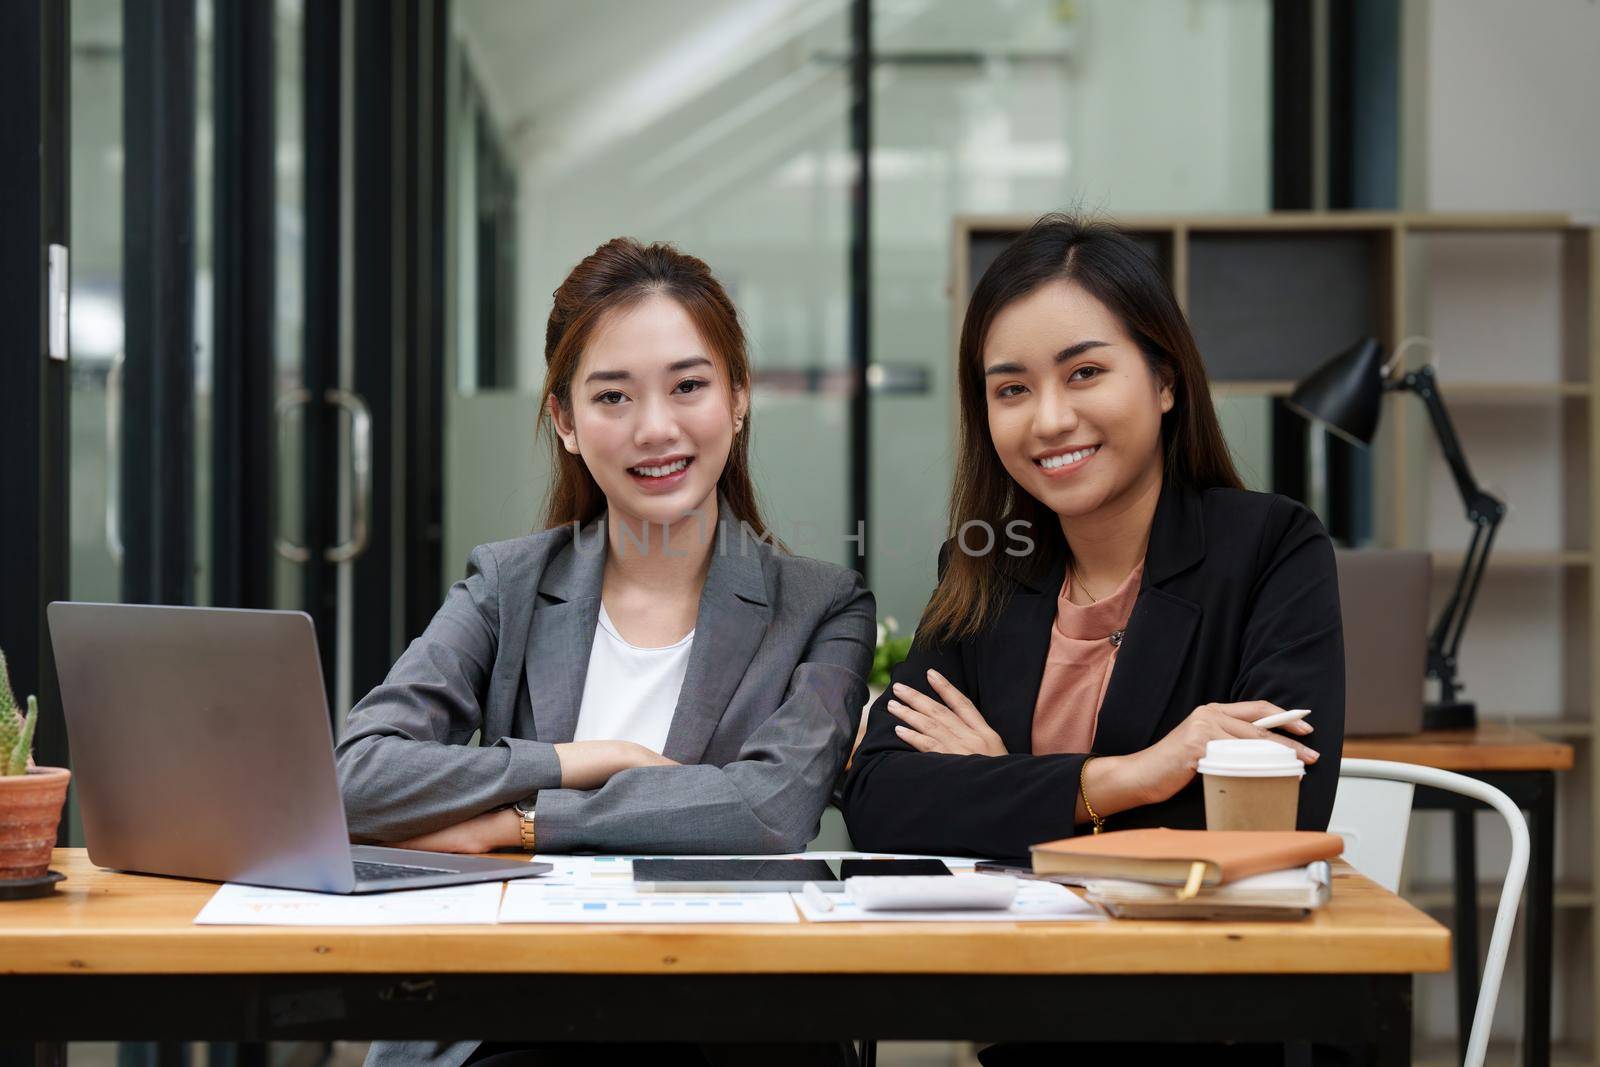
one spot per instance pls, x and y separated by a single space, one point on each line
106 922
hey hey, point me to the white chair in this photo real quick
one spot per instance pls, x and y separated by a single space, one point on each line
1371 795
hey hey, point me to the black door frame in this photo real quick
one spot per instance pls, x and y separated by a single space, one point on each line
157 446
376 245
243 433
398 235
33 387
861 133
322 49
427 78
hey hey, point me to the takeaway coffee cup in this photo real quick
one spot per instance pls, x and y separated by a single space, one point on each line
1251 784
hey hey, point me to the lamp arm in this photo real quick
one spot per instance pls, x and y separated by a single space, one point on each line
1484 510
1472 571
1425 385
1444 642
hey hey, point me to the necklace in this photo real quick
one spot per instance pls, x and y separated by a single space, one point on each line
1117 636
1074 569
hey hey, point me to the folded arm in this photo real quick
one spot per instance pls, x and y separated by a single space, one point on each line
770 799
405 767
899 798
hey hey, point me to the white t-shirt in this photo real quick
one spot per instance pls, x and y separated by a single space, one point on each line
630 692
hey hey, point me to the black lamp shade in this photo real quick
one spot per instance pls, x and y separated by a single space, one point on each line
1345 393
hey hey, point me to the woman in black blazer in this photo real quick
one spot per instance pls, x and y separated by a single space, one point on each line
1089 446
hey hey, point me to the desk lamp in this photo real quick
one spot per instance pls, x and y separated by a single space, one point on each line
1345 394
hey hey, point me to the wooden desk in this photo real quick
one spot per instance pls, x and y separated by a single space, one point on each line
116 956
1492 747
1522 765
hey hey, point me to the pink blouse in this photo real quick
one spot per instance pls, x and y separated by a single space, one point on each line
1078 667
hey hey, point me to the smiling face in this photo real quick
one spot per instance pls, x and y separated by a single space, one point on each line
652 412
1074 407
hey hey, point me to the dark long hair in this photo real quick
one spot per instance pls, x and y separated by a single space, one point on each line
618 275
1114 270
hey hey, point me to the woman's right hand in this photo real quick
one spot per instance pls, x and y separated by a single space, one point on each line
590 764
1172 762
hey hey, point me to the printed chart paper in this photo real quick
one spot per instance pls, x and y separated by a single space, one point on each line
248 905
530 902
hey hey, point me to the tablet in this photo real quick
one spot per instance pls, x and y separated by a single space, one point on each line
891 868
691 875
731 876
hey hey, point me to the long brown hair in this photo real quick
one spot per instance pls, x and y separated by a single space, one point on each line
1117 272
618 275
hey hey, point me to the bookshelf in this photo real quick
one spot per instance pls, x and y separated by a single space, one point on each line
1511 305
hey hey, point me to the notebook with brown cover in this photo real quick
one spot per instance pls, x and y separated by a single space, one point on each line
1169 857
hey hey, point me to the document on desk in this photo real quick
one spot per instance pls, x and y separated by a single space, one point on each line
535 902
247 905
576 871
600 889
1036 902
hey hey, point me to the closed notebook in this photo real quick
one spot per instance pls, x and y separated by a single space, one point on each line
1287 894
1188 858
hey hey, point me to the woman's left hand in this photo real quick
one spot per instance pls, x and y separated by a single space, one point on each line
954 726
501 828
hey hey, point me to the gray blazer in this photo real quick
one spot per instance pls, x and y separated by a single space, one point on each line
769 705
776 680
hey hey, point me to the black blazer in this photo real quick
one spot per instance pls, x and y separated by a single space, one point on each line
1239 601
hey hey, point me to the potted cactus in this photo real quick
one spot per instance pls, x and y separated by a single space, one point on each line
31 797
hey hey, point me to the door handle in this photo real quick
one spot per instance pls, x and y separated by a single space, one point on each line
360 470
361 474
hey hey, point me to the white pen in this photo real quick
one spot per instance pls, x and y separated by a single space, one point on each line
1281 718
813 893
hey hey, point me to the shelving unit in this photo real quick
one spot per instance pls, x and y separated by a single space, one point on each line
1500 1054
1461 393
1511 303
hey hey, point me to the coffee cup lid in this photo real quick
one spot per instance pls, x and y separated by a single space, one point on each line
1243 757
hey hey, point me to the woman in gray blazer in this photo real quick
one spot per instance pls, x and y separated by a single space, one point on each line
652 672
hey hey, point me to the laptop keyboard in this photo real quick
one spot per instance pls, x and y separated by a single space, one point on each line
367 871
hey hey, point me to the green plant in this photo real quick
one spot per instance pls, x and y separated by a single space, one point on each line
16 731
891 652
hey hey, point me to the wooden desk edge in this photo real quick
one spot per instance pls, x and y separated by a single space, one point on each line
1467 751
153 935
844 949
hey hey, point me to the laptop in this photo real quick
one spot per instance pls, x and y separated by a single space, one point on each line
202 748
1383 596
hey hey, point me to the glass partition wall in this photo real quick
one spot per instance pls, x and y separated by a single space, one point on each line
720 126
733 128
1103 106
725 127
102 426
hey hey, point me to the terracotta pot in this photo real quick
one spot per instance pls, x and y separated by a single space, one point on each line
30 809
